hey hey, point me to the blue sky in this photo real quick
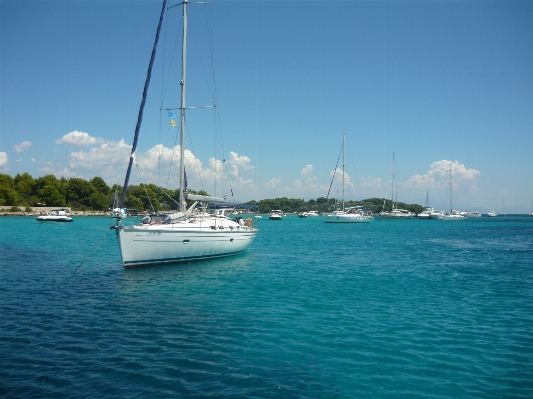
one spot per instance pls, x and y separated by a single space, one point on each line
436 83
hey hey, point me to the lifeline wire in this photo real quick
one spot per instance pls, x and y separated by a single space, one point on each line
90 253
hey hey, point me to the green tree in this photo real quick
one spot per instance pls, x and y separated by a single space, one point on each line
8 193
51 196
132 202
25 184
99 201
79 190
100 185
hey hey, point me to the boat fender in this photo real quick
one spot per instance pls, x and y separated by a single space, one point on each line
146 220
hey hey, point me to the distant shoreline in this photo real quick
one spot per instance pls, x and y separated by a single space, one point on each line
42 210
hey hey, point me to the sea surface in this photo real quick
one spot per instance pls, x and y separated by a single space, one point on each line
391 309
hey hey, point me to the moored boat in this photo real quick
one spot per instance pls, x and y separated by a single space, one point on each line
276 215
55 215
454 215
189 233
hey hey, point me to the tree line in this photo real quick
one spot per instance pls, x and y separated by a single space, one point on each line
94 194
80 194
323 204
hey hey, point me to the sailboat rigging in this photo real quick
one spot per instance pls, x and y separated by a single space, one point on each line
395 213
352 214
189 234
453 215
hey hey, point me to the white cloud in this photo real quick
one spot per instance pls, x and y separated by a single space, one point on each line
370 182
110 160
19 160
25 145
307 170
339 176
3 161
33 159
273 183
79 139
438 176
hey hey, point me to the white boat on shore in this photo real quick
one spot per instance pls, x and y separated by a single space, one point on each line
55 215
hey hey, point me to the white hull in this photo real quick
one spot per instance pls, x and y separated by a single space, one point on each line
53 218
426 213
438 215
396 214
56 215
347 218
454 218
473 214
144 245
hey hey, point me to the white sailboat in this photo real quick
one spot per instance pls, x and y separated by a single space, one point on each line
395 213
426 213
453 215
190 234
348 215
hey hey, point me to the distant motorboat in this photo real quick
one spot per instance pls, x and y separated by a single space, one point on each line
302 215
312 214
437 215
55 215
473 214
426 213
396 214
276 215
492 214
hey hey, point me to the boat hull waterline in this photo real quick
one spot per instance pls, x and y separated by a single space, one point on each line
146 246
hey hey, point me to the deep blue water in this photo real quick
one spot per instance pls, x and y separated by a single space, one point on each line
409 309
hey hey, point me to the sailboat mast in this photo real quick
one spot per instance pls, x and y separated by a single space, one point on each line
343 151
451 206
392 185
182 109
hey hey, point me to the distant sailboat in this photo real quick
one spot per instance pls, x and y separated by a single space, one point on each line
348 215
426 213
453 215
395 213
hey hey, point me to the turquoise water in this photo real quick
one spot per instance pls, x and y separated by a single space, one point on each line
409 309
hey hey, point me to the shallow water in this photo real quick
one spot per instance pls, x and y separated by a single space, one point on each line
417 308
